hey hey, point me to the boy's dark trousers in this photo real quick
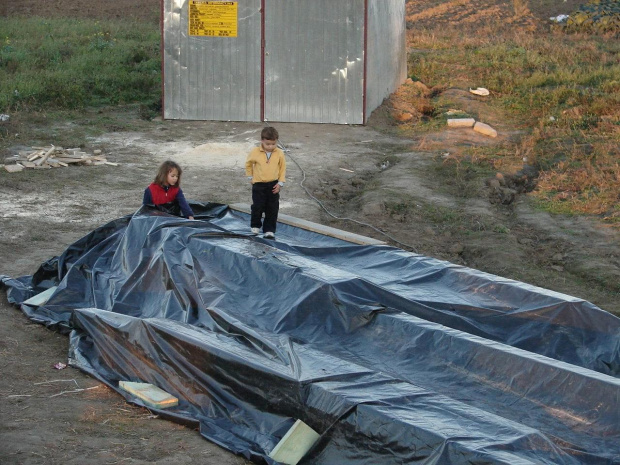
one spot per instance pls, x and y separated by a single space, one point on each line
264 201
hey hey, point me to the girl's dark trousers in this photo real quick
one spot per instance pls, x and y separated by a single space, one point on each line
264 201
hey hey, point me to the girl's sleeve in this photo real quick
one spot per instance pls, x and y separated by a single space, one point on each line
185 208
148 198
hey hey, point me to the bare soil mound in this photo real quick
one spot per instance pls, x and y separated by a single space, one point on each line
143 10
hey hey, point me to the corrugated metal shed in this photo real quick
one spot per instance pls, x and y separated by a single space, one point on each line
319 61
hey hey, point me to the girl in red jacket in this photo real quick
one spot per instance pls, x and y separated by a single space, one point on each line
164 192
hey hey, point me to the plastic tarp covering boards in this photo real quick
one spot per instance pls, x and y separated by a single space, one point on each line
390 356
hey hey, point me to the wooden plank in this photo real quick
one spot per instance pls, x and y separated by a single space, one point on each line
150 395
66 154
42 160
111 163
315 227
295 444
35 155
68 160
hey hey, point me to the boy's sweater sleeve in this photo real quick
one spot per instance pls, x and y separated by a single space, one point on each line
148 198
249 165
282 172
185 208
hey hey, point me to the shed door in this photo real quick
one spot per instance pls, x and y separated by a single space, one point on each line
314 61
209 77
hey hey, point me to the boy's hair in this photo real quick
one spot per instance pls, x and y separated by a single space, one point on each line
162 173
269 133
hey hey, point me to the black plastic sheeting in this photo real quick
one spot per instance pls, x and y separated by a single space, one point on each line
392 357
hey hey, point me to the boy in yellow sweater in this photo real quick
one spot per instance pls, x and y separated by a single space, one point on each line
266 168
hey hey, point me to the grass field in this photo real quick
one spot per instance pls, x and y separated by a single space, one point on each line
48 64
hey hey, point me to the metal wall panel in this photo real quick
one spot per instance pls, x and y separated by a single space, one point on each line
313 63
314 68
386 66
212 78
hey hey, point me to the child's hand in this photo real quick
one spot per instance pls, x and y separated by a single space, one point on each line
276 189
191 217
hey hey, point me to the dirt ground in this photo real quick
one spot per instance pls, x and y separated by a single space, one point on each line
395 184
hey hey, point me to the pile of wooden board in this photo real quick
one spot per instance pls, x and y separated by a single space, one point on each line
53 157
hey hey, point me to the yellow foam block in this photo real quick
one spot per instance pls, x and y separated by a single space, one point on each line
42 298
150 395
296 442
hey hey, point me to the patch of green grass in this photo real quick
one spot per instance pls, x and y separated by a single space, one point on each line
76 63
398 208
440 215
501 229
546 204
462 177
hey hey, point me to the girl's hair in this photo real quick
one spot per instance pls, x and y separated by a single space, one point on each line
162 173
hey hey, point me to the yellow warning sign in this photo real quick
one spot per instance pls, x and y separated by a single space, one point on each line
212 18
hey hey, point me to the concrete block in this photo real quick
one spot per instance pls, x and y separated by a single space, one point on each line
461 122
485 129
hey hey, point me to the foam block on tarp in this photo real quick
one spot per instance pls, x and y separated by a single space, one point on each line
150 395
295 443
41 298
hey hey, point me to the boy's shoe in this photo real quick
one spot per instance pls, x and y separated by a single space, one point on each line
255 230
269 235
